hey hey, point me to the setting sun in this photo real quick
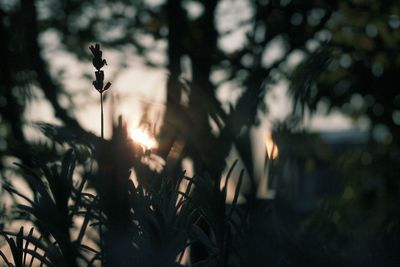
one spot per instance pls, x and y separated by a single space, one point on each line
142 137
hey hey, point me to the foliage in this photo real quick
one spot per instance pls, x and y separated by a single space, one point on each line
131 222
348 52
125 223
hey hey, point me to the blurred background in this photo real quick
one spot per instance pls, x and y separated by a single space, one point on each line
304 93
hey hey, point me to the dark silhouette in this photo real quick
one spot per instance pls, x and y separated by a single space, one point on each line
336 202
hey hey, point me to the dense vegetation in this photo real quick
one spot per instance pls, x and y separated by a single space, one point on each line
89 201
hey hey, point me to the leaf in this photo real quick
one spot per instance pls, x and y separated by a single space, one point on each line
68 166
198 234
305 75
237 193
43 259
12 190
5 259
229 174
27 244
15 251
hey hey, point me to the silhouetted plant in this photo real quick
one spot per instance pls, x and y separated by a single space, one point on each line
147 227
98 63
104 218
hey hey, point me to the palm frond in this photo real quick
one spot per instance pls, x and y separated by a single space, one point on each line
305 75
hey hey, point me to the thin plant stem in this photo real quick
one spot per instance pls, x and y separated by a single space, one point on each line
101 242
102 126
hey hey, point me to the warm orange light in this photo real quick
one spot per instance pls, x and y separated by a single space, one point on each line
272 148
143 138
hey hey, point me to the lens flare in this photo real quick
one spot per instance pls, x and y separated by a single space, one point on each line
272 148
142 137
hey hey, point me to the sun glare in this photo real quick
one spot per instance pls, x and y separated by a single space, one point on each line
142 137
